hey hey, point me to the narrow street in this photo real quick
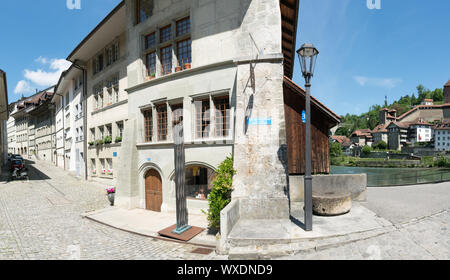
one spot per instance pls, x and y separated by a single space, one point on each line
41 219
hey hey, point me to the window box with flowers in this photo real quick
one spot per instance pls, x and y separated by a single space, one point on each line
109 172
94 172
103 171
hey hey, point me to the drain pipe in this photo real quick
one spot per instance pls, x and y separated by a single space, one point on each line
83 69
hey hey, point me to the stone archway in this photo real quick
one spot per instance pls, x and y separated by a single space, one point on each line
153 190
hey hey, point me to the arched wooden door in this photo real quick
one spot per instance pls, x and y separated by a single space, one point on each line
153 191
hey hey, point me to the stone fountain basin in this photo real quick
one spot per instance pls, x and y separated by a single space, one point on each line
331 203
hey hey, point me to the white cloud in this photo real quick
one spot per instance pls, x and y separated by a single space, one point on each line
23 87
44 78
42 60
378 82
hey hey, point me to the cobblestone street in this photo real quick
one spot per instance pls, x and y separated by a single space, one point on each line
41 219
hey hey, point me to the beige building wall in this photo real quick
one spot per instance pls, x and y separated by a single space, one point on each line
108 116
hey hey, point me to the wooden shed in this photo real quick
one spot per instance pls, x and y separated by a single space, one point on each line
322 120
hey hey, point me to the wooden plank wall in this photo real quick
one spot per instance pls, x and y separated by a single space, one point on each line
294 104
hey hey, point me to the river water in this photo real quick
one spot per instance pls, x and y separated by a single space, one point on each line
377 177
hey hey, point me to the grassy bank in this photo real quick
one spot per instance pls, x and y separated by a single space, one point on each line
425 162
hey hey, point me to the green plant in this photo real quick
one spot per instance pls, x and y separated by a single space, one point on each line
91 143
380 145
335 149
442 162
220 195
99 142
366 150
107 140
118 139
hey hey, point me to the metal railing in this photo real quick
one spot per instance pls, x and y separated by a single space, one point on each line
411 177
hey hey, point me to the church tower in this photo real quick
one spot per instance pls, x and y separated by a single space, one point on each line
447 92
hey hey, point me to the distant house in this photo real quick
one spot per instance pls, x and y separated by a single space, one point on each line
420 132
442 136
380 133
362 137
428 102
397 135
340 139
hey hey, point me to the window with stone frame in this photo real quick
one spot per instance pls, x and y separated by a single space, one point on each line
183 26
161 113
184 52
202 118
148 125
222 116
150 62
119 129
144 10
166 60
165 34
177 114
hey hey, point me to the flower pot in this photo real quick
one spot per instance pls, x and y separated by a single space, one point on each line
178 69
111 198
187 66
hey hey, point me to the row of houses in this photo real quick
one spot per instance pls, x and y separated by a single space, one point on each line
425 123
225 69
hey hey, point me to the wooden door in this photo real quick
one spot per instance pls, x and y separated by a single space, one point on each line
153 191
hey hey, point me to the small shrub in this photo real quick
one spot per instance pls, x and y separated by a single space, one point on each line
220 195
118 139
366 150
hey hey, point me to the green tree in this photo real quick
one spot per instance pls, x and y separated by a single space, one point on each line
380 145
335 149
366 150
220 195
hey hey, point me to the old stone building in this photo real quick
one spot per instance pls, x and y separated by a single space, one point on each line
103 55
69 115
220 66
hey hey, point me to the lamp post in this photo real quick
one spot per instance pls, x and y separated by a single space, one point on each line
307 55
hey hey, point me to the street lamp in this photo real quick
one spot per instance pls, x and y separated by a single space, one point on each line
307 55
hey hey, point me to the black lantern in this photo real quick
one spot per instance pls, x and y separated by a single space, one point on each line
307 55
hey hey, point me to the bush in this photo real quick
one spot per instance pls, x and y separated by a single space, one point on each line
442 162
220 195
380 145
366 150
118 139
335 149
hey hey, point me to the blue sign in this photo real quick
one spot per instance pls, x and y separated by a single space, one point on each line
149 159
303 116
267 121
115 154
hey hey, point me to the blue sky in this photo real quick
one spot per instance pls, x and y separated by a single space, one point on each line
368 54
364 54
37 36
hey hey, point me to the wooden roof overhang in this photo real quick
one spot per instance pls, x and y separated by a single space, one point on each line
289 19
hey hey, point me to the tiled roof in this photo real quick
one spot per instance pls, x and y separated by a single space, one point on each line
447 84
340 139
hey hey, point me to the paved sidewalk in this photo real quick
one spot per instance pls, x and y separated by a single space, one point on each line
148 223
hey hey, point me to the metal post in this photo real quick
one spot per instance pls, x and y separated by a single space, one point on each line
308 177
180 179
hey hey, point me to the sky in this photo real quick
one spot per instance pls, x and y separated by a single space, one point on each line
36 36
365 54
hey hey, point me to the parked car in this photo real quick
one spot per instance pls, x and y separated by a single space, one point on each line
16 163
17 157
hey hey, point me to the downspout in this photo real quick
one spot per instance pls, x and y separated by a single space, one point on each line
85 129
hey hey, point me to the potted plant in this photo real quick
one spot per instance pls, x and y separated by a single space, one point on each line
110 172
187 65
107 140
91 143
94 172
111 195
99 142
118 139
178 68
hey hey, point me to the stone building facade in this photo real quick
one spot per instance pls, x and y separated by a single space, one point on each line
230 97
103 54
